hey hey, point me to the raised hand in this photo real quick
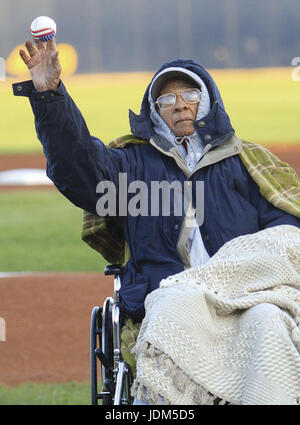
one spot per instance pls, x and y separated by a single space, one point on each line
43 64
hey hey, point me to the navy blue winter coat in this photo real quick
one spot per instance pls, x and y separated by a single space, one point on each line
76 162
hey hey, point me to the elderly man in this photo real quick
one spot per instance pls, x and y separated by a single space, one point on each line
182 134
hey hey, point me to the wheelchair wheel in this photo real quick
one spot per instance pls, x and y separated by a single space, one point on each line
101 352
107 349
95 319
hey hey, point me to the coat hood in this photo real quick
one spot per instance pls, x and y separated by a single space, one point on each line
214 128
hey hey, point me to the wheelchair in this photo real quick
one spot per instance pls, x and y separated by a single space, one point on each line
105 350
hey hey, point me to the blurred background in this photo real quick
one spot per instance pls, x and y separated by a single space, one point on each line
138 35
109 49
132 35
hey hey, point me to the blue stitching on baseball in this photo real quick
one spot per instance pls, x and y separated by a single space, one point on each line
47 37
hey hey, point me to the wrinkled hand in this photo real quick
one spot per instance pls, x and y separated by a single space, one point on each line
43 64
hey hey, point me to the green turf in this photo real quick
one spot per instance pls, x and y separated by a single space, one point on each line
264 111
264 107
105 110
41 231
46 394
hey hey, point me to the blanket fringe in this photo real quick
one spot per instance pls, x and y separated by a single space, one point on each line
180 380
142 393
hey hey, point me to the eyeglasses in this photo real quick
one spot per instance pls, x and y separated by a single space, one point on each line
167 101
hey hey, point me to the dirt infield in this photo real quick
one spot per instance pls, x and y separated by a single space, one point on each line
47 316
289 154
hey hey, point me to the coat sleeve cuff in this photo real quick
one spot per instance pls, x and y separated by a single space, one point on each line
26 88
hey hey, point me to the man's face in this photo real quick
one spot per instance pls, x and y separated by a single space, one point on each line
180 118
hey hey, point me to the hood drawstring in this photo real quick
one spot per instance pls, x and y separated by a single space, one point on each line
182 141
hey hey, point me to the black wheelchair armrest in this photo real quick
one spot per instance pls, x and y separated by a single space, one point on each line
113 269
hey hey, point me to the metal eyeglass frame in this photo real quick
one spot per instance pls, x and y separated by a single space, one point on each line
175 97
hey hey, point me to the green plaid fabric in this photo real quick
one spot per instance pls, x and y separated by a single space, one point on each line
105 236
129 336
277 182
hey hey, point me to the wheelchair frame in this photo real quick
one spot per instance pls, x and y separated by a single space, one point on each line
105 349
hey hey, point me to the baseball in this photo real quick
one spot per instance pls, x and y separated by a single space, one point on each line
43 28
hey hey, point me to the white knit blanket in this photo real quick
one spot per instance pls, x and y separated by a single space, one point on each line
228 329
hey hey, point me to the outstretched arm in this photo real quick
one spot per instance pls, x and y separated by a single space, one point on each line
76 161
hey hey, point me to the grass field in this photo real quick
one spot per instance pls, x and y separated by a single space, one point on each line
40 231
264 106
46 394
